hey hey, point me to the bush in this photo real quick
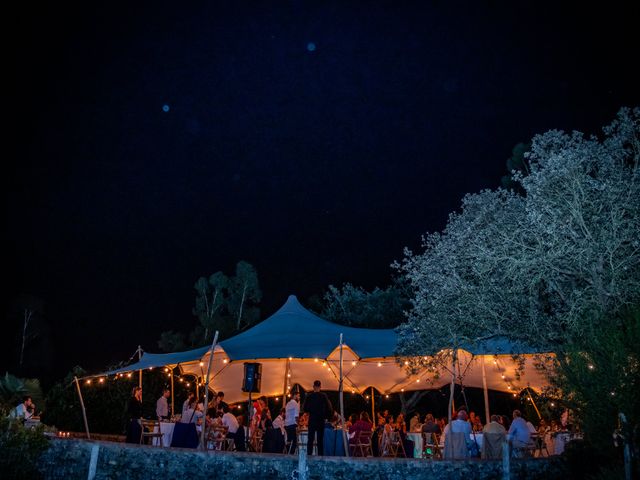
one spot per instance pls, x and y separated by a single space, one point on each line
20 448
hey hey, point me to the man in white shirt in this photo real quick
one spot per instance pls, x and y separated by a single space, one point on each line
25 409
162 405
230 421
292 412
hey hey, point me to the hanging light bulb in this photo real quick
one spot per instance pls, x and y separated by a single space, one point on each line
202 364
225 361
315 359
288 375
187 384
406 362
417 380
290 358
379 364
101 380
353 363
88 382
129 375
324 363
387 396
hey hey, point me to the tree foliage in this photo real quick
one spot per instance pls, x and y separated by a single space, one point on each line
356 307
546 265
555 262
222 303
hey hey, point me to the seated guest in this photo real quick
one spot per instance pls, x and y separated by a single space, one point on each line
493 438
240 439
353 418
363 424
457 437
476 426
430 426
304 421
414 423
519 432
230 421
162 405
193 413
279 421
408 444
25 409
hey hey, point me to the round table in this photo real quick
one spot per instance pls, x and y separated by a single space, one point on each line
416 438
167 434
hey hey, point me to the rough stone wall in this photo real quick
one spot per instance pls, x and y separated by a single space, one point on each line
69 459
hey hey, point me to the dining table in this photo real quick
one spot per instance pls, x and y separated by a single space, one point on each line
167 434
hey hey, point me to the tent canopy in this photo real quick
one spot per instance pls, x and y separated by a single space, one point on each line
293 331
296 346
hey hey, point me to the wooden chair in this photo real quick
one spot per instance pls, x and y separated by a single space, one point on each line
397 445
361 447
431 446
148 430
255 443
219 437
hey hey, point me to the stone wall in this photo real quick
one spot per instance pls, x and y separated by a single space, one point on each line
69 459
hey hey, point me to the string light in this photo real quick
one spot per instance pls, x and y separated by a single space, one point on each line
88 382
225 360
166 369
277 398
402 389
315 359
552 404
591 367
101 380
180 380
187 384
324 363
367 397
417 380
406 362
129 375
290 358
379 364
202 364
353 363
387 396
288 375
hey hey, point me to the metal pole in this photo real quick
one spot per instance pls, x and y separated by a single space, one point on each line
373 407
172 409
206 390
139 371
345 437
84 412
486 391
453 383
534 404
284 388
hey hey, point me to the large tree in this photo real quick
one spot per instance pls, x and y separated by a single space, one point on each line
545 265
556 261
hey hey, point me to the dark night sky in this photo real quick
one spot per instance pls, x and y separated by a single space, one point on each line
317 167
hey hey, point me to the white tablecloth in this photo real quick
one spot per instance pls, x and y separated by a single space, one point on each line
416 438
167 434
303 438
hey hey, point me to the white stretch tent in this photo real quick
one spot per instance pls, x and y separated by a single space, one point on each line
296 346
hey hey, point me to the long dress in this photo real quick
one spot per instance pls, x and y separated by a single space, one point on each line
134 413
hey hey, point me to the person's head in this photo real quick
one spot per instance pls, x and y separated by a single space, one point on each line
462 407
472 416
429 418
191 397
542 422
400 418
516 414
219 396
27 400
317 385
263 402
166 393
296 396
240 419
462 415
365 417
495 418
353 418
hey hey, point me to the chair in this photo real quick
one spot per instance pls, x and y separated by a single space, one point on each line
361 447
540 445
217 438
492 445
397 445
455 446
431 446
255 443
148 430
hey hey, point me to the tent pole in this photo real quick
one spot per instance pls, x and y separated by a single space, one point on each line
534 403
453 382
345 437
486 391
139 371
206 392
373 407
84 412
284 388
172 410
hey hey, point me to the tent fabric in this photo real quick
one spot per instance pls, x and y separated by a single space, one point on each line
152 360
293 331
296 346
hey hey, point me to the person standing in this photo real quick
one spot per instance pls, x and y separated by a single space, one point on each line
162 405
319 408
134 413
292 414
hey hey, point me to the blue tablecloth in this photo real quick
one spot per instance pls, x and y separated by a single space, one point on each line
333 442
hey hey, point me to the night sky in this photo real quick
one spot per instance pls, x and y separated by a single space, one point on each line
312 139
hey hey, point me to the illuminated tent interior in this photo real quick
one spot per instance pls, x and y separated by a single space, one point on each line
295 346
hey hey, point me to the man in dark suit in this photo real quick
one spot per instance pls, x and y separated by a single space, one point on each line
319 408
